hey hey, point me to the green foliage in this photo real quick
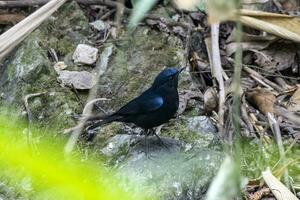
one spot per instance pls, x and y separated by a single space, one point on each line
202 5
226 183
140 8
53 176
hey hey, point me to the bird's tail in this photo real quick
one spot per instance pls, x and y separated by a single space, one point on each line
100 120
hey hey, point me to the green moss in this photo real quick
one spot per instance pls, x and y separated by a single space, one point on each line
30 60
65 30
178 129
105 133
122 151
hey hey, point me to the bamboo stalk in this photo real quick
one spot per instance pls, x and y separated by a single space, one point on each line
11 38
31 3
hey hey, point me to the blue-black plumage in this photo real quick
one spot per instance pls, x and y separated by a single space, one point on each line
154 107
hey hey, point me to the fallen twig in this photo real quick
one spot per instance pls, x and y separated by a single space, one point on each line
29 114
260 77
246 119
276 130
91 103
288 115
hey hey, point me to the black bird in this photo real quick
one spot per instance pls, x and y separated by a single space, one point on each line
154 107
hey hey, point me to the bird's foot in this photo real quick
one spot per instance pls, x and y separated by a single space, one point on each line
161 142
155 132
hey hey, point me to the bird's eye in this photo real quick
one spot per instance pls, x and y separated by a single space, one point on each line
171 77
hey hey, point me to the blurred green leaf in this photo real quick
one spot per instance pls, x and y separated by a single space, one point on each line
166 2
140 8
202 5
53 175
225 185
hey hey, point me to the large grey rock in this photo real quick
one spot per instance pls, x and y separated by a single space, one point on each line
204 130
163 170
202 125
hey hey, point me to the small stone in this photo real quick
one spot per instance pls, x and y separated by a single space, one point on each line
85 54
176 17
79 80
60 66
99 25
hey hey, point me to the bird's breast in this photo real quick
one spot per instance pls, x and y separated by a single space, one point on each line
171 101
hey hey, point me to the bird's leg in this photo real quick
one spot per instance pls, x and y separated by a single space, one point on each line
154 132
146 144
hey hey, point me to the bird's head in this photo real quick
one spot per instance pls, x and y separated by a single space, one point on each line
168 76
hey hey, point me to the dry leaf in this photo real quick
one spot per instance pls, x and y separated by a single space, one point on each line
276 57
258 195
11 18
247 37
232 47
191 5
277 188
263 99
254 4
284 26
290 5
294 103
210 100
220 10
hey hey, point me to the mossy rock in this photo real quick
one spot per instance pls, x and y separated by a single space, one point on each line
65 29
29 70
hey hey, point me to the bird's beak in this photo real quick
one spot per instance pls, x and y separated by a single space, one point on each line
182 69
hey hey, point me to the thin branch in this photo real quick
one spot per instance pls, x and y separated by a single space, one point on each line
260 77
217 71
30 142
69 146
237 89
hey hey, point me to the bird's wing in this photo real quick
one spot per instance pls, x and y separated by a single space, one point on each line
143 104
